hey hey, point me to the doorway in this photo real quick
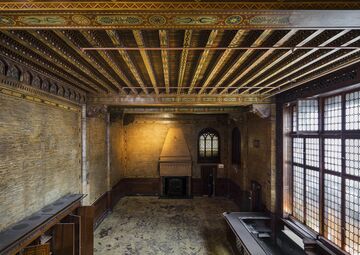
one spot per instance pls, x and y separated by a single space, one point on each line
208 177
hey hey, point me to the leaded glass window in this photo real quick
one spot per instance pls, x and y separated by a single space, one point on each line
326 167
209 146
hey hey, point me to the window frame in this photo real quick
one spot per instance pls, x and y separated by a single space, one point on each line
213 159
343 134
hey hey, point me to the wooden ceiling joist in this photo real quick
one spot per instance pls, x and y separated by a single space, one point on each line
273 62
145 57
65 67
249 64
164 42
318 75
108 60
261 59
127 59
259 41
86 57
203 60
239 36
35 59
62 52
297 60
312 70
184 59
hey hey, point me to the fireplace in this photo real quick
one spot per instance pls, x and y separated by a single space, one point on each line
175 165
175 186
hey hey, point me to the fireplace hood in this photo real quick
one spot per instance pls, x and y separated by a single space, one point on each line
175 157
175 148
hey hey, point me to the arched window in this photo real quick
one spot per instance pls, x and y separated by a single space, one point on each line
209 146
235 147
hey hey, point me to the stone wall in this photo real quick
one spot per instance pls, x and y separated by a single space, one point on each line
40 156
144 135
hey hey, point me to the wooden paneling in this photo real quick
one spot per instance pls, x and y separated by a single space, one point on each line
76 220
86 229
63 239
101 208
240 197
222 187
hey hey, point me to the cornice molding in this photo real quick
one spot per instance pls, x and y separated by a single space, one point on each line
179 100
23 92
16 77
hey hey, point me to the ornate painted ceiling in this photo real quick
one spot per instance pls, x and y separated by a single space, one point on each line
181 53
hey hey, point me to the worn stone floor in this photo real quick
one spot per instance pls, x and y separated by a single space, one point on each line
149 225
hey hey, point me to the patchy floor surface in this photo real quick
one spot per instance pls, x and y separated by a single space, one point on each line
149 225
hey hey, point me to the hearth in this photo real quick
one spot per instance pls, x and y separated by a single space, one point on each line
175 186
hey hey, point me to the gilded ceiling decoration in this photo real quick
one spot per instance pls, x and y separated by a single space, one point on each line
181 67
177 53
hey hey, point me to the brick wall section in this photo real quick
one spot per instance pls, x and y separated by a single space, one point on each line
40 157
256 160
144 136
97 157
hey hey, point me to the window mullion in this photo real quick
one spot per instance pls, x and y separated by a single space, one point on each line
343 170
321 168
304 178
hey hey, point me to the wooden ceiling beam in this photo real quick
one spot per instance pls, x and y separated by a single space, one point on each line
184 59
85 57
66 67
61 51
79 62
145 57
291 63
108 60
239 36
329 71
202 62
276 61
261 59
343 56
164 42
116 41
37 60
259 41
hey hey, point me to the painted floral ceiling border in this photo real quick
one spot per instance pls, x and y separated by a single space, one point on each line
143 20
106 14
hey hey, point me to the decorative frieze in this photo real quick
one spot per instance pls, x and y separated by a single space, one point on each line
94 111
14 76
180 100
